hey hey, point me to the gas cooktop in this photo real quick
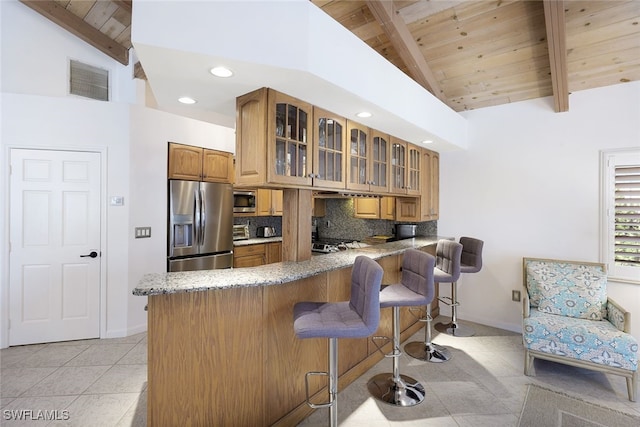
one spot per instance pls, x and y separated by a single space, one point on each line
327 246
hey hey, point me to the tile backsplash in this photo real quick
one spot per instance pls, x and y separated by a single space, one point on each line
339 223
260 221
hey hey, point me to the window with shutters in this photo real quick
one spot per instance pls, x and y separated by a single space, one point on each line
620 230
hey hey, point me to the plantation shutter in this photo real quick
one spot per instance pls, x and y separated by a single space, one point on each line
627 215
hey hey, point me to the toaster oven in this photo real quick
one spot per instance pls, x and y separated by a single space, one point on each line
241 232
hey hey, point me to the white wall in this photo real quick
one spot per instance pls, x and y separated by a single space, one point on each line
37 113
529 186
151 130
36 52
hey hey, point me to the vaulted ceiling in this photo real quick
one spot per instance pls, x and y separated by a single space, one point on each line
470 54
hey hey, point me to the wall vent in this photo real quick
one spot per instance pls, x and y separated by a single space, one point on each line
88 81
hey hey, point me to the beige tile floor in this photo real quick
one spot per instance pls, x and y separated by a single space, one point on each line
103 383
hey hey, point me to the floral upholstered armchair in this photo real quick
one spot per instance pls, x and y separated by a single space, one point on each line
568 318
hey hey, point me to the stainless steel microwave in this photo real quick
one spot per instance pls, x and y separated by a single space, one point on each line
244 201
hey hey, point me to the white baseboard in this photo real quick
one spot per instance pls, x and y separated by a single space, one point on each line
121 333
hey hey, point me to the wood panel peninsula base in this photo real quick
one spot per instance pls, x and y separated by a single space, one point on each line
221 346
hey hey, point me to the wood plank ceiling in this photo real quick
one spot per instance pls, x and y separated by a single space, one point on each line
469 53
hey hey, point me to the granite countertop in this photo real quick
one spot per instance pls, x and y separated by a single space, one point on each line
257 241
270 274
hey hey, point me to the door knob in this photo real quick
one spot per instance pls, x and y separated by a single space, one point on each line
93 254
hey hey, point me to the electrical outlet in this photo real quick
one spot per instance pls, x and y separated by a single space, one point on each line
515 295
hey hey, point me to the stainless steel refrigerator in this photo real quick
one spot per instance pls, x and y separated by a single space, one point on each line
200 235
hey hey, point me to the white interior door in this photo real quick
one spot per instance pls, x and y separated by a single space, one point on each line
54 282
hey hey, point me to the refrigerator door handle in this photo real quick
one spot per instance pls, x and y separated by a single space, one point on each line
197 216
203 216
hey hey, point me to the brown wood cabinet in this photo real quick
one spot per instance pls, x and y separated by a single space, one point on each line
185 162
429 204
249 255
269 202
407 209
388 207
273 139
284 142
199 164
368 159
375 208
258 254
405 167
217 166
319 207
274 252
366 207
329 147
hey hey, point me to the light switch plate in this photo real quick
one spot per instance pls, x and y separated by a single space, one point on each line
116 201
143 232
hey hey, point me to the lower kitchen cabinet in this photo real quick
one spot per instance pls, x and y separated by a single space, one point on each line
249 256
274 252
258 254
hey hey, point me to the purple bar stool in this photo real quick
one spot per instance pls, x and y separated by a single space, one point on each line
447 269
415 288
470 262
357 318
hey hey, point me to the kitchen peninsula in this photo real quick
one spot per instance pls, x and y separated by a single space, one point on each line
222 350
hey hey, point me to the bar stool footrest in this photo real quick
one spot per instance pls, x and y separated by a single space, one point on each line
379 348
308 398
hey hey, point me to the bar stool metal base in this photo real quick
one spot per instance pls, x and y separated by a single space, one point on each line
406 392
455 329
428 353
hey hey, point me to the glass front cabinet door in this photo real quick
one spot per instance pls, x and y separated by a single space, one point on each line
379 164
329 146
405 167
290 154
358 162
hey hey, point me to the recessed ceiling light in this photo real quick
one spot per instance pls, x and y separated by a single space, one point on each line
427 141
364 114
221 72
186 100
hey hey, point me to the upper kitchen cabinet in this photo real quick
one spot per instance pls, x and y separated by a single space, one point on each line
185 162
273 139
405 167
329 150
374 208
217 166
430 179
269 202
199 164
368 159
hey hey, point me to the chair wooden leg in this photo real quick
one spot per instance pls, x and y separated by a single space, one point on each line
632 386
528 363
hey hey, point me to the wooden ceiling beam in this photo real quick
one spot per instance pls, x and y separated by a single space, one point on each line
57 13
408 50
124 4
557 42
